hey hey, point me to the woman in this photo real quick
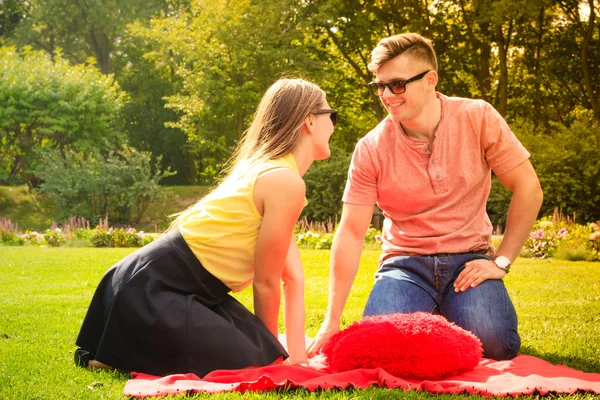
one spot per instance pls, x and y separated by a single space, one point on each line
166 309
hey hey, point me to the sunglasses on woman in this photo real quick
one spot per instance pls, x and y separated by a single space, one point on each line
333 114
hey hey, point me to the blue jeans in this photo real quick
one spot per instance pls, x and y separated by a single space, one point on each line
407 284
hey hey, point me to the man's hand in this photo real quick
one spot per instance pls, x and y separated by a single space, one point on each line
475 272
327 330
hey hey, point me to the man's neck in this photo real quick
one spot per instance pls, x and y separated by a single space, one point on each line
423 127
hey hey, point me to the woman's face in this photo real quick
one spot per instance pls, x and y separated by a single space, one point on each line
323 129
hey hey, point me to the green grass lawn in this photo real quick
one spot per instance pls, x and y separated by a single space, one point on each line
44 293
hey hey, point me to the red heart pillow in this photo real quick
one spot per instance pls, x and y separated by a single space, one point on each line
411 346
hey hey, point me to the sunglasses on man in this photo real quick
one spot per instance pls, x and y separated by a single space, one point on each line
333 114
396 87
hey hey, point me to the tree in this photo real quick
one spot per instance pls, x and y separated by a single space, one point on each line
566 160
144 115
11 13
46 103
83 29
226 55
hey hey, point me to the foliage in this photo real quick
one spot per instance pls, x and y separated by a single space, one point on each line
562 238
122 184
83 30
567 163
543 242
74 230
11 14
119 238
497 204
322 240
223 77
325 182
144 115
54 237
193 83
313 240
45 103
9 232
35 211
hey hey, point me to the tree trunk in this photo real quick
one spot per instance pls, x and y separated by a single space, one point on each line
503 46
537 98
483 72
585 63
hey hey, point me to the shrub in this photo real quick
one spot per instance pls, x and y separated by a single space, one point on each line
119 238
47 103
570 251
33 238
567 163
320 236
54 237
122 183
325 182
313 240
559 236
9 232
543 242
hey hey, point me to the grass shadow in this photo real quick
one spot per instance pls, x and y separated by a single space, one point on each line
578 363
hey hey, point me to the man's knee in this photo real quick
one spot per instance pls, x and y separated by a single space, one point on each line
500 347
489 314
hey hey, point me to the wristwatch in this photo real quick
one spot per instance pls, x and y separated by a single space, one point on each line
503 262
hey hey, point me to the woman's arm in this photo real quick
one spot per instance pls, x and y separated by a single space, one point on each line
293 305
279 197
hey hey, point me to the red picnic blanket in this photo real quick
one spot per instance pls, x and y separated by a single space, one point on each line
524 375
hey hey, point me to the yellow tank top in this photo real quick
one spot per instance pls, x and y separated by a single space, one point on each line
222 228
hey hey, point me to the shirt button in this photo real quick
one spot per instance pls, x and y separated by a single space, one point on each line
437 177
426 150
432 162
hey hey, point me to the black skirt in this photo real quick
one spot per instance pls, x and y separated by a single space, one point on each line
158 311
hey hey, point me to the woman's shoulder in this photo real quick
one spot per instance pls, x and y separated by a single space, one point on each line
282 178
287 161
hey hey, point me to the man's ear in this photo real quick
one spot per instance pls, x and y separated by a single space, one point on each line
432 79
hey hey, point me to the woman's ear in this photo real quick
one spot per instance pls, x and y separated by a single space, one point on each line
309 124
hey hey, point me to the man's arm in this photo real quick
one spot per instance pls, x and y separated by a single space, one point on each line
345 259
526 201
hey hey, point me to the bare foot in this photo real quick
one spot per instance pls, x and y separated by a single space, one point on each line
95 364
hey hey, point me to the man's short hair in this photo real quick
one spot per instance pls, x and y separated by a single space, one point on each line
413 44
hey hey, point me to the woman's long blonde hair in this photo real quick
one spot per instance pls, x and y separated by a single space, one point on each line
275 128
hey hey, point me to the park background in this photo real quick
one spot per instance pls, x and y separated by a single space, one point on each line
102 101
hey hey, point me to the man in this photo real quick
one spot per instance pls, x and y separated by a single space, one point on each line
428 167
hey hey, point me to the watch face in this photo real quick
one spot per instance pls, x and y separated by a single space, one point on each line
502 262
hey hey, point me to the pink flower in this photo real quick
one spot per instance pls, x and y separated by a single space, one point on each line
563 232
378 238
539 234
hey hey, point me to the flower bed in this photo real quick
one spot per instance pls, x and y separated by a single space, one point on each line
555 236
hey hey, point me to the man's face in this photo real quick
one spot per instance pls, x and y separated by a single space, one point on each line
410 104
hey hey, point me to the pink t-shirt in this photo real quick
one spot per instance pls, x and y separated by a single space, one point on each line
433 200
